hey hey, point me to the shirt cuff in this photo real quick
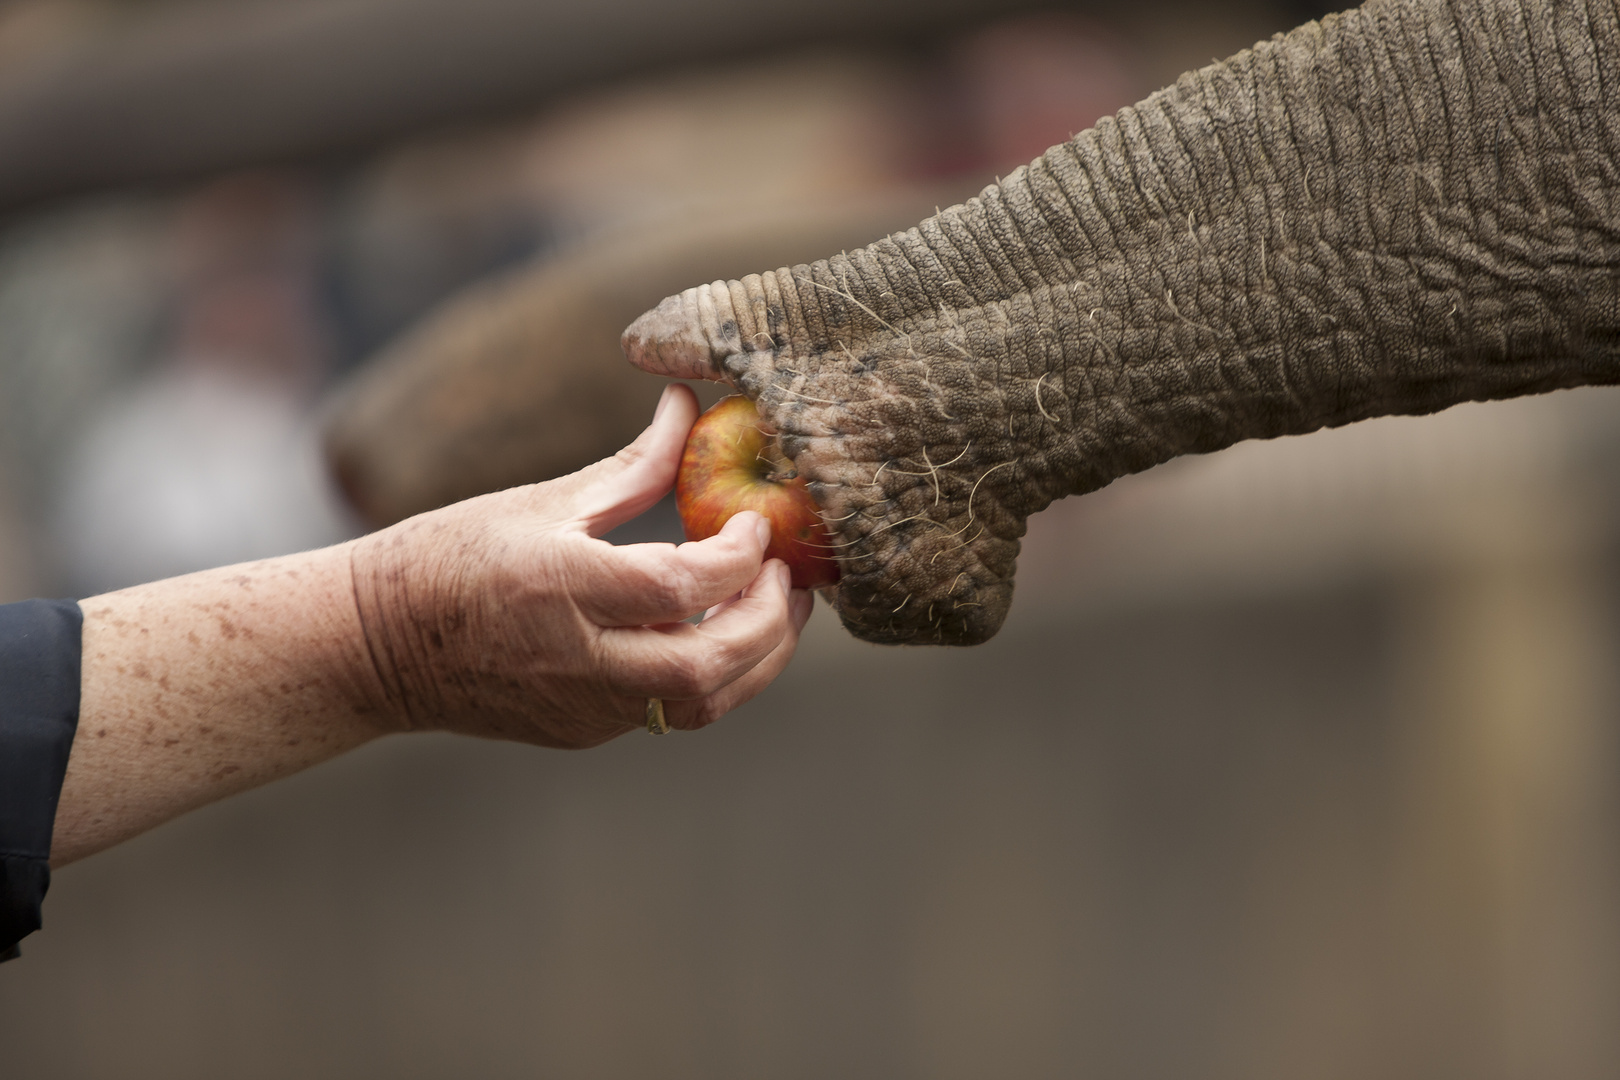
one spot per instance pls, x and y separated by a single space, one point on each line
39 712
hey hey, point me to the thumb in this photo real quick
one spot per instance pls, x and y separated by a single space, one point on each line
616 489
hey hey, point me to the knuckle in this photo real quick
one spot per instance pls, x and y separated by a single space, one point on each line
704 672
675 675
664 592
662 588
692 715
627 457
684 683
682 592
706 713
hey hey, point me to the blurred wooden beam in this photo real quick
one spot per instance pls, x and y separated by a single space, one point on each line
196 87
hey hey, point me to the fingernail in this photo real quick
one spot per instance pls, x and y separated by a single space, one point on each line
762 529
784 576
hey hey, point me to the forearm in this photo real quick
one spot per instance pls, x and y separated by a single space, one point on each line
201 686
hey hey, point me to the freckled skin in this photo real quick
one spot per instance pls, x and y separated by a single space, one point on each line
501 617
187 721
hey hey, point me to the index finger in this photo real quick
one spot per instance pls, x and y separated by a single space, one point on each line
651 584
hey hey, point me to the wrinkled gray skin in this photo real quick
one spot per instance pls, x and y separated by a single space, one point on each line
1403 207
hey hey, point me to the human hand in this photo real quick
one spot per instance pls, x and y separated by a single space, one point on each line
506 616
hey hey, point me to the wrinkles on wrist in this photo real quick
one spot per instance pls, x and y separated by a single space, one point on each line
381 602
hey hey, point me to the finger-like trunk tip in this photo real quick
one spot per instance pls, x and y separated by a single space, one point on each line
673 340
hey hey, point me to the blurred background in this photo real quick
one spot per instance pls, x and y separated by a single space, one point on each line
1299 760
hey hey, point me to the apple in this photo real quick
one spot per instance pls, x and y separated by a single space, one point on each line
731 464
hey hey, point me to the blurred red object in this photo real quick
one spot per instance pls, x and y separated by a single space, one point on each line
1017 87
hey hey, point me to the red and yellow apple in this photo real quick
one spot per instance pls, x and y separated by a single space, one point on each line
731 464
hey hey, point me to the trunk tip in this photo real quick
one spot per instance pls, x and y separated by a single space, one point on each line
669 340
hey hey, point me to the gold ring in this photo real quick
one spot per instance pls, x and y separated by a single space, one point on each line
656 724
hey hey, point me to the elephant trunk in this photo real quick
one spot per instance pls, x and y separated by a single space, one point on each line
1406 206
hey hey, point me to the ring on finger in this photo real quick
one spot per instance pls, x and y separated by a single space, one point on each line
656 724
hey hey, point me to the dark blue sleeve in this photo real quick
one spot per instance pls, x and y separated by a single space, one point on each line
39 712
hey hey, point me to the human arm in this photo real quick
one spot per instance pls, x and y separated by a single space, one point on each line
502 616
